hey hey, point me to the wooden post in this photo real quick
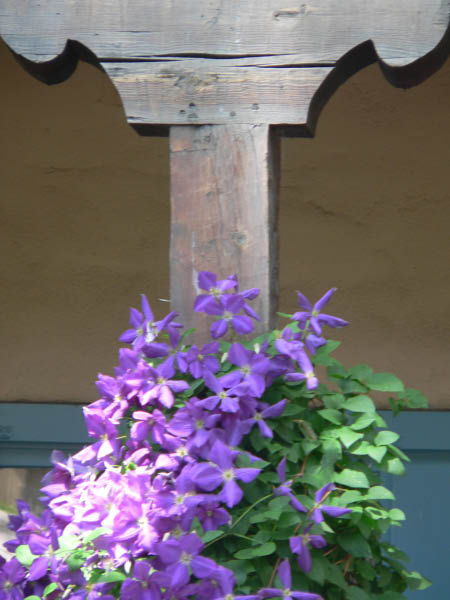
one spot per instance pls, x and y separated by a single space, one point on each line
224 199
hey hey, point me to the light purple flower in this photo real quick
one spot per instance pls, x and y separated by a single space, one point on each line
333 511
208 476
299 545
314 314
12 576
267 412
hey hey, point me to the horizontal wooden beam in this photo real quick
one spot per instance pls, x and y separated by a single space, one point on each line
195 93
319 31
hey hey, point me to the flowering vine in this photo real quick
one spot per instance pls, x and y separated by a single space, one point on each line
226 471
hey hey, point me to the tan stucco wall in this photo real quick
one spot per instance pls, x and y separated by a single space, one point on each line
84 228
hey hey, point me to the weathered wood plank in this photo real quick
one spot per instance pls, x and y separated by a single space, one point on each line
320 31
224 198
186 92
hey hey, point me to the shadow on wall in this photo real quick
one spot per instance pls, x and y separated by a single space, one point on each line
85 228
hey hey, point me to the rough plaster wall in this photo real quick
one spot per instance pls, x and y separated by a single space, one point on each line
84 228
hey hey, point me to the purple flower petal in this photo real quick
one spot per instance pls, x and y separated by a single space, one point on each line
319 495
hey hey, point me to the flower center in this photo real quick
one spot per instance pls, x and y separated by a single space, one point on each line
258 416
222 395
228 474
228 597
287 592
199 424
200 357
309 375
179 499
227 315
161 380
181 451
186 558
246 370
215 292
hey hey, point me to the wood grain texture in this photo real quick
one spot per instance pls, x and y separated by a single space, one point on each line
182 92
224 62
224 199
318 31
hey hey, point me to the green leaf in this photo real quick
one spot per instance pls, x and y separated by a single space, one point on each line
332 452
209 536
384 382
334 574
396 514
391 596
354 543
377 454
49 589
356 593
395 466
365 569
333 401
330 346
361 403
24 555
384 438
292 409
318 570
111 577
363 422
263 550
350 497
99 531
378 492
348 437
32 598
416 581
414 398
68 542
352 478
360 372
334 416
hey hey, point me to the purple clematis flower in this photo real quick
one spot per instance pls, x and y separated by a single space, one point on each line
313 313
199 361
182 554
307 373
284 573
267 412
227 389
140 586
229 307
225 578
164 387
12 576
299 545
285 488
212 516
216 290
209 476
252 368
333 511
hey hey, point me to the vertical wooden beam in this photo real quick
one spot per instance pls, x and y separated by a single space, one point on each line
224 199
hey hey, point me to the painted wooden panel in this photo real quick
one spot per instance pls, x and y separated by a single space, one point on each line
423 494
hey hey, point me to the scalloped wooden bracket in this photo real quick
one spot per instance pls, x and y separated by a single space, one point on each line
232 73
213 62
